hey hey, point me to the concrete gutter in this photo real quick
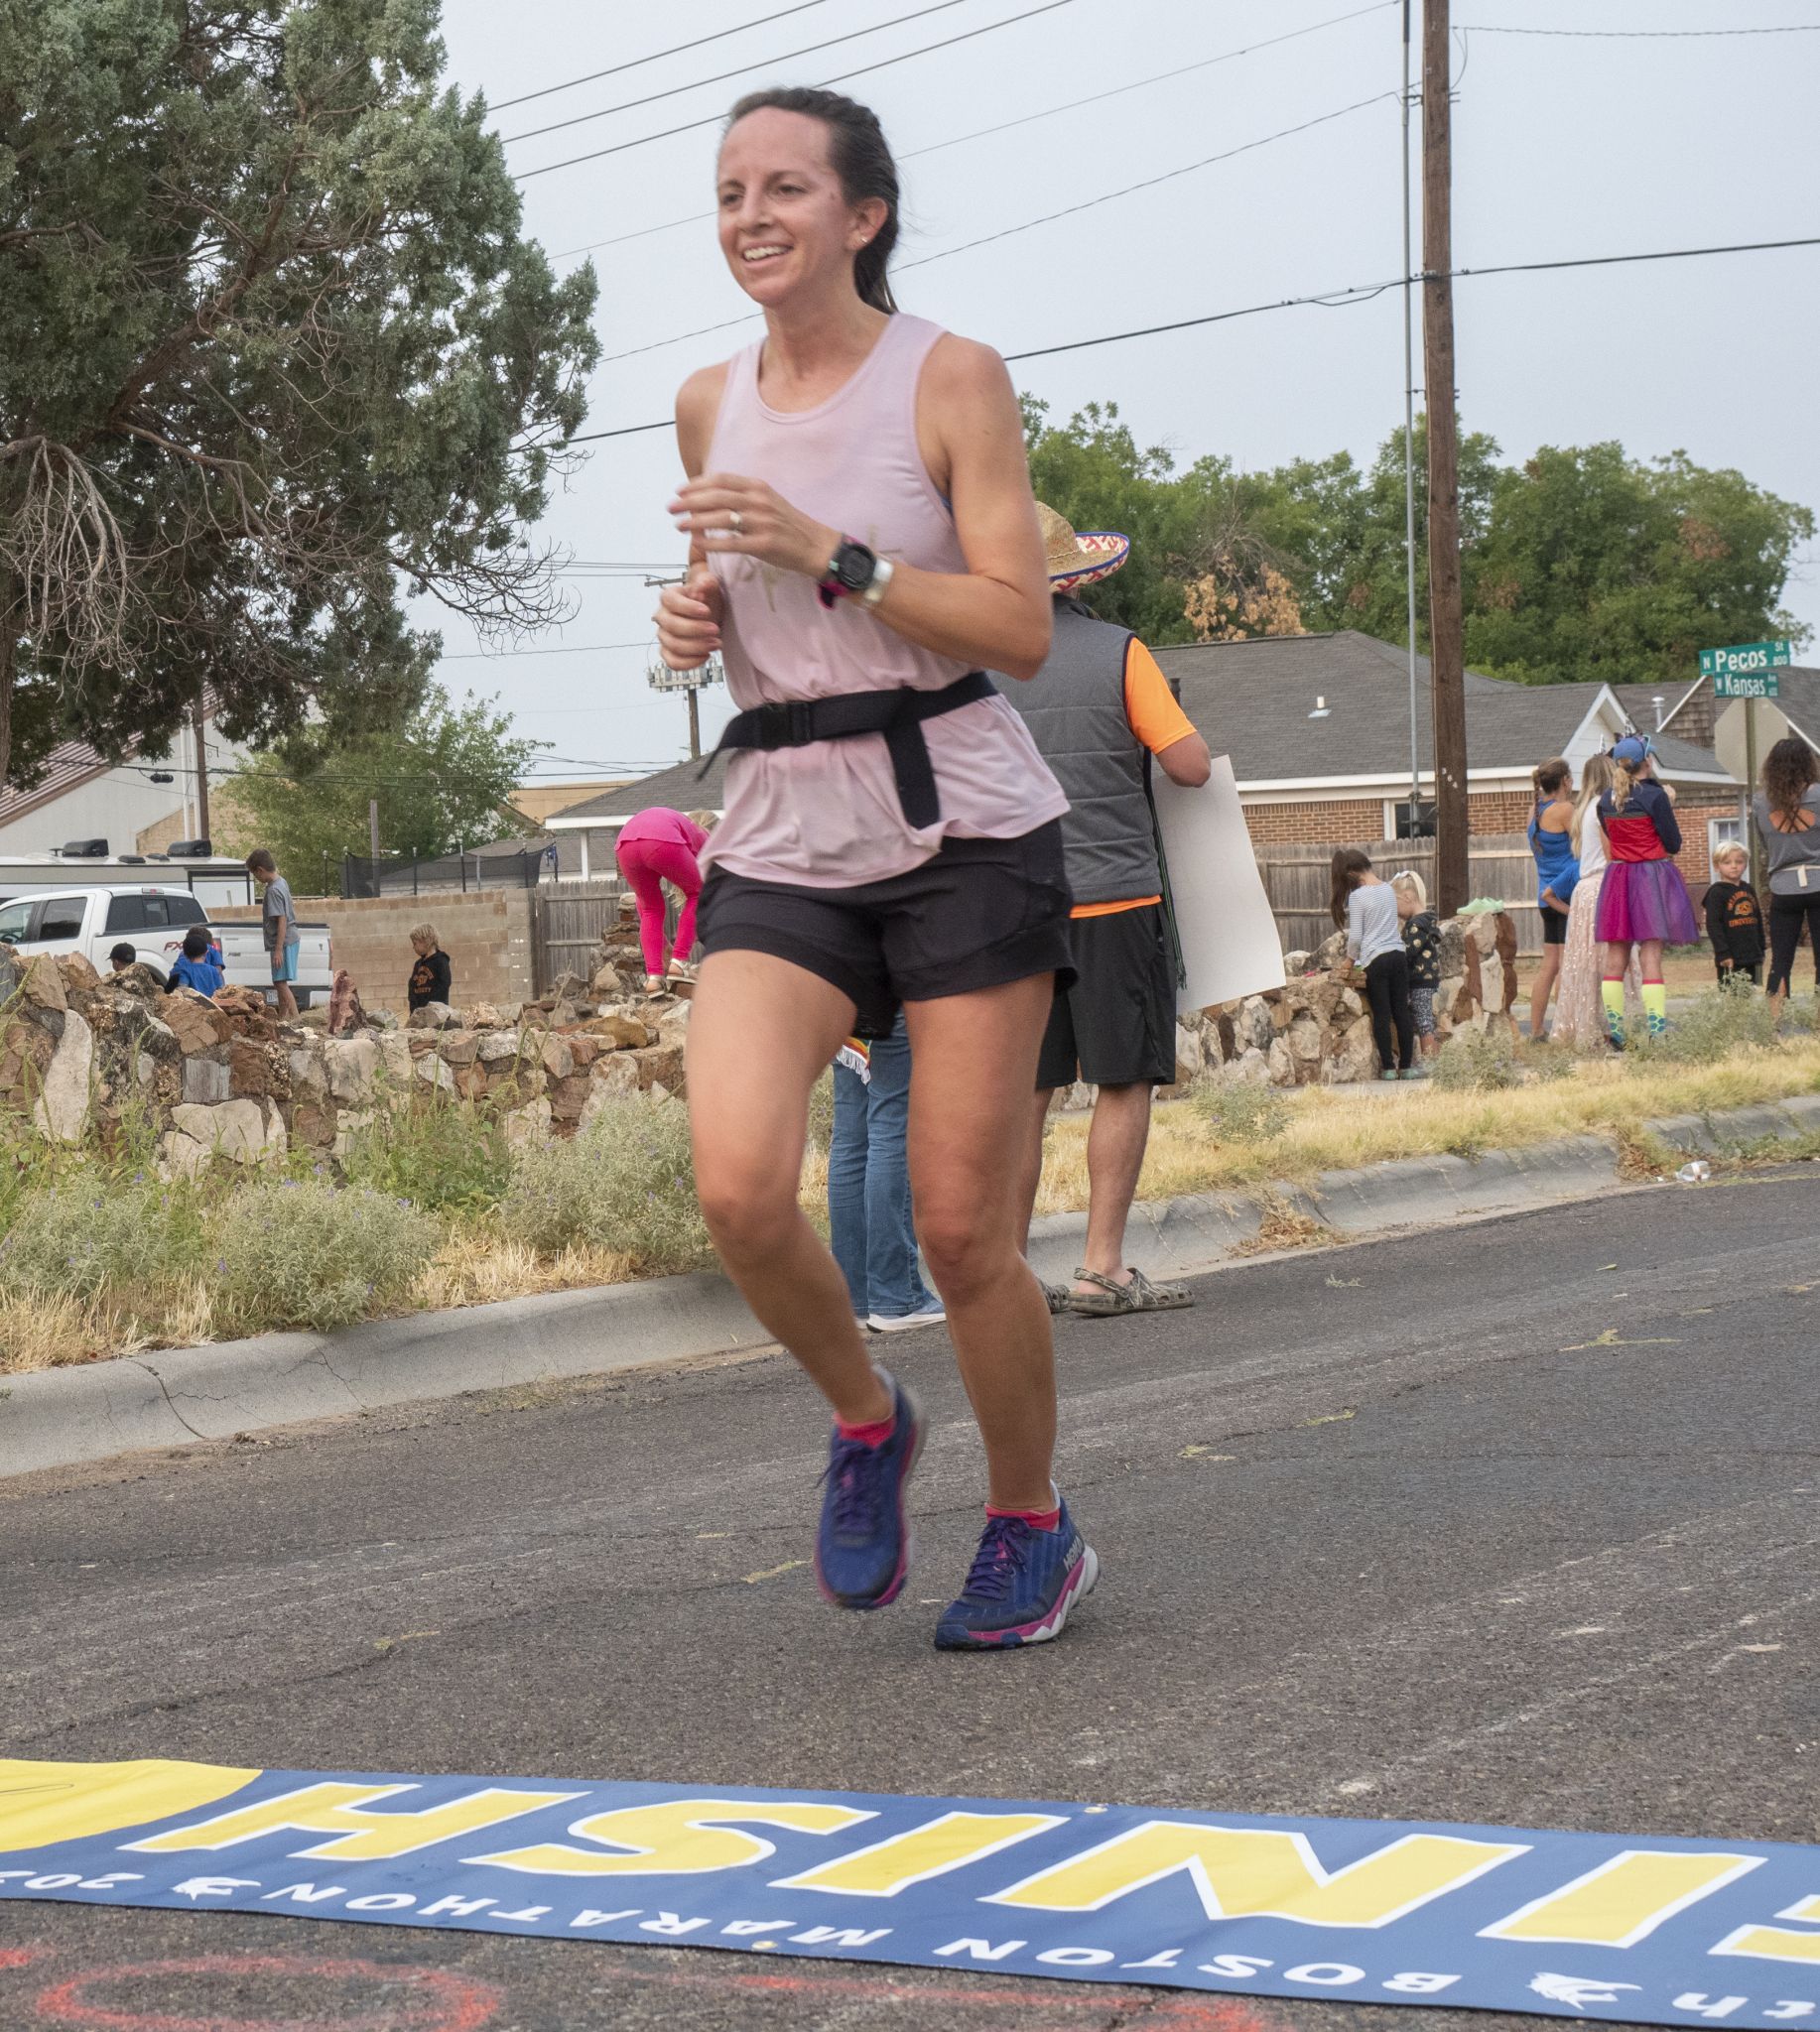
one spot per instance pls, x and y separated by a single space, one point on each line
59 1418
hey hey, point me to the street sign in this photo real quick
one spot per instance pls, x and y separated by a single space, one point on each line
1762 685
1744 659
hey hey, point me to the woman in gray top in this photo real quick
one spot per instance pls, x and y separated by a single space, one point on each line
1787 810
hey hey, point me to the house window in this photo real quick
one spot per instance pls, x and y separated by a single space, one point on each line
1723 832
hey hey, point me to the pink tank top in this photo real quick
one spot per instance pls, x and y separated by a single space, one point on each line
828 815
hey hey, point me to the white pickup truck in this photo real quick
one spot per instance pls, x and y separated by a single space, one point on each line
153 919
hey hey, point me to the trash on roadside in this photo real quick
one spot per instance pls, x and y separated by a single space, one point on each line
1695 1174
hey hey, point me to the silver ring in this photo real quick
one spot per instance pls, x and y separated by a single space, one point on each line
733 521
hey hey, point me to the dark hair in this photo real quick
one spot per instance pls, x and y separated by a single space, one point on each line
124 954
196 943
260 859
859 156
1349 862
1789 769
1548 777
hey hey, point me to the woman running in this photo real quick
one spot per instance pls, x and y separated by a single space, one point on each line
1788 811
1551 841
862 546
1578 1013
1642 900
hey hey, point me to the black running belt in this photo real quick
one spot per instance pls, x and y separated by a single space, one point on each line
898 714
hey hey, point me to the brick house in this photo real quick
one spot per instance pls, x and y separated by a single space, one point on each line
1317 729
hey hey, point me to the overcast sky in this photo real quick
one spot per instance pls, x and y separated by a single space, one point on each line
1563 147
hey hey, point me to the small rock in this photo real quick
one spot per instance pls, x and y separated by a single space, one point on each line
308 1075
349 1065
43 986
204 1083
483 1016
62 1112
459 1047
619 1030
77 974
196 1022
431 1016
497 1045
435 1074
559 1060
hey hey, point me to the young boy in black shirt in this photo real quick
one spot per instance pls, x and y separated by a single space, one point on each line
1734 918
431 975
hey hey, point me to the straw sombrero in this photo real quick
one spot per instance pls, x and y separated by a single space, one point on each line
1073 560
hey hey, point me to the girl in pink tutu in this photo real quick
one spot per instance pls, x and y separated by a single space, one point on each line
1642 900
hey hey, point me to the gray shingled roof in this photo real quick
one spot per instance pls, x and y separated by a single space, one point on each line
1638 700
1799 698
683 787
1251 700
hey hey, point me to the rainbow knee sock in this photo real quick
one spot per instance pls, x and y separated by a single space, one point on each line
1655 1007
1612 994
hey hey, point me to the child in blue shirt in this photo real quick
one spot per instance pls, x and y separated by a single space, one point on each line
195 966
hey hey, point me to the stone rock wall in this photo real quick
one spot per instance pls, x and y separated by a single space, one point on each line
224 1080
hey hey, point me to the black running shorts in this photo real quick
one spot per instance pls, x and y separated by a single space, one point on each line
1116 1026
1555 926
978 914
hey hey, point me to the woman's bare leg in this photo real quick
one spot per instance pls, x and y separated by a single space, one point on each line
971 1086
1545 978
760 1035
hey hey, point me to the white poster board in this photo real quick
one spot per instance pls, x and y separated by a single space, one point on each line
1230 942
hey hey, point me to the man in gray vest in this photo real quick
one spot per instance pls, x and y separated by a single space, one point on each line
1099 710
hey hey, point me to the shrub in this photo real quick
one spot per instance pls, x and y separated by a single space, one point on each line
1710 1028
300 1252
625 1182
1472 1062
89 1234
1240 1113
442 1155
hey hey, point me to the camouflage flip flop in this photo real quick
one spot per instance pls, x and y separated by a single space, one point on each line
1057 1297
1140 1296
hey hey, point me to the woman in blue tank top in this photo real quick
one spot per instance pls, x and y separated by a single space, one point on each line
1551 840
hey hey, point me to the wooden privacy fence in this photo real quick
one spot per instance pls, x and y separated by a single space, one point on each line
567 920
1298 879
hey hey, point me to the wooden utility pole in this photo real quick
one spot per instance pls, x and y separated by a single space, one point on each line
198 729
1446 622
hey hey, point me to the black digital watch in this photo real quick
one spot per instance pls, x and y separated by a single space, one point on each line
850 572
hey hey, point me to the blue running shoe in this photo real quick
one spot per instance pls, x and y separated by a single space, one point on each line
1021 1587
862 1549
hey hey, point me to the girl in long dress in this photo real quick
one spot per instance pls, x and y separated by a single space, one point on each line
1579 1012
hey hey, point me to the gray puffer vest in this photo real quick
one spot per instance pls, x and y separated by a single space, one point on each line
1075 707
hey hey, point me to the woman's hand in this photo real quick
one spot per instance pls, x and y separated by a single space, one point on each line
721 511
688 619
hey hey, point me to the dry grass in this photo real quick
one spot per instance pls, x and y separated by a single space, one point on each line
1341 1131
477 1263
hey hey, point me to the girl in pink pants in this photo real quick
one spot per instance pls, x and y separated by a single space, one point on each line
656 846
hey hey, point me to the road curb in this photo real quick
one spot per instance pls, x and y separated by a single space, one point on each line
62 1418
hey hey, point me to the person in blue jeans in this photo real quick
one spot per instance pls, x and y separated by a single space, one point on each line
871 1225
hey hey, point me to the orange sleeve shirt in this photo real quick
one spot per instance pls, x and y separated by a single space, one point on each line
1159 723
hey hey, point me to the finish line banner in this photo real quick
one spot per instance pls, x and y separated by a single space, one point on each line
1630 1928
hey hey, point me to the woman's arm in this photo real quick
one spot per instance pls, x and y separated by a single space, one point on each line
688 616
1668 827
996 613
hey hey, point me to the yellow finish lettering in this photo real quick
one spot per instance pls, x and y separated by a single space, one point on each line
1258 1873
343 1812
678 1836
1623 1900
45 1803
1775 1943
917 1855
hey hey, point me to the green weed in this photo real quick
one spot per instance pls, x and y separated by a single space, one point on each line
625 1183
302 1252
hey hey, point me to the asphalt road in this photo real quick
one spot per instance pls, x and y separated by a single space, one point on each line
1470 1525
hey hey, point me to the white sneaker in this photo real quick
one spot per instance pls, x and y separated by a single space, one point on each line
931 1314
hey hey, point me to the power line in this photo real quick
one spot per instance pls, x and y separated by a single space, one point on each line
1325 299
561 649
738 70
841 77
1643 34
1027 119
676 49
1048 218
